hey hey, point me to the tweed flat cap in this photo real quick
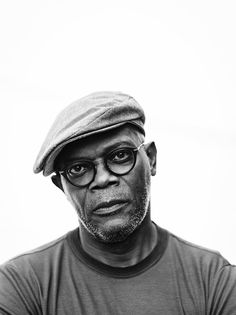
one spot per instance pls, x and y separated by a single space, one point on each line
89 115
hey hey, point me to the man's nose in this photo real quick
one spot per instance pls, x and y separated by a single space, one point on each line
103 177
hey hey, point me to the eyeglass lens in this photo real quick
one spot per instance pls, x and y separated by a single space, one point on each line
119 162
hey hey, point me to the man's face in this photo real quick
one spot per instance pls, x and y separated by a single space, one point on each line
112 206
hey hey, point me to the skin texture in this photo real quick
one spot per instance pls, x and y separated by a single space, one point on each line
128 236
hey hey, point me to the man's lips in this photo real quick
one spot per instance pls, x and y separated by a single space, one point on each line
109 208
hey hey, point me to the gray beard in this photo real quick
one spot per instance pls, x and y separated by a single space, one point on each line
114 235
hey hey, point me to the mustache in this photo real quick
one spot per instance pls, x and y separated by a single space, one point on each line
106 200
109 203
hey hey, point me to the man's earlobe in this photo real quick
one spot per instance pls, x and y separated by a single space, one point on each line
152 155
56 179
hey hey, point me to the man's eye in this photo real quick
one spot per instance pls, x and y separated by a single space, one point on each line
79 169
121 156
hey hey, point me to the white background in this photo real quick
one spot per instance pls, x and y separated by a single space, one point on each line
177 58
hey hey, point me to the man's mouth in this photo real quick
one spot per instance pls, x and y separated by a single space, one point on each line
109 208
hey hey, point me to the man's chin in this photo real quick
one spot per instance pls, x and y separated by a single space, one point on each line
114 235
116 228
114 231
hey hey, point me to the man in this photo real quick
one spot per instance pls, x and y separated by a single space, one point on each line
118 261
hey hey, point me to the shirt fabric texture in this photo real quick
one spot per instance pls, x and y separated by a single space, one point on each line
176 278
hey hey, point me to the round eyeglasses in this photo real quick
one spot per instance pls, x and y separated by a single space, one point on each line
119 162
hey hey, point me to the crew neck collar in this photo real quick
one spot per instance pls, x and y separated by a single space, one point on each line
119 272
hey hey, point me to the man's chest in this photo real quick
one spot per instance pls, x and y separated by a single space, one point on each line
103 295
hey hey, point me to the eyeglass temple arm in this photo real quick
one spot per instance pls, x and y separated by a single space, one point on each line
139 147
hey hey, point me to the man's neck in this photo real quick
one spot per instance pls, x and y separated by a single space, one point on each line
126 253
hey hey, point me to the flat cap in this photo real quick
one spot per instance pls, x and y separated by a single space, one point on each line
87 116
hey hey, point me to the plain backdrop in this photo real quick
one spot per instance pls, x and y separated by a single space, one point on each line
177 58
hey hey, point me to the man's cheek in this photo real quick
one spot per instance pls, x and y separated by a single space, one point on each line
79 203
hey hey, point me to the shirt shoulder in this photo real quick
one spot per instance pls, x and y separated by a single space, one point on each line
203 272
37 264
47 250
191 252
26 278
199 263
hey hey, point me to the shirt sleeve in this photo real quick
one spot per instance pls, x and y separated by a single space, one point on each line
16 295
222 296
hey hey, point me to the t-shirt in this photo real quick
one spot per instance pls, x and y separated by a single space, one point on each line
176 278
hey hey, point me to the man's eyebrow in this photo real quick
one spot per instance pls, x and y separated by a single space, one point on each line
120 144
106 150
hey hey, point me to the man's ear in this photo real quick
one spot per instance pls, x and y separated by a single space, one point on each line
151 152
56 179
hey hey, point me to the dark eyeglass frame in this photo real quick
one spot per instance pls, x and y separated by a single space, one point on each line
64 172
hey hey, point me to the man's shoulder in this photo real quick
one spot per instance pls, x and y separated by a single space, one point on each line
191 246
43 254
192 254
